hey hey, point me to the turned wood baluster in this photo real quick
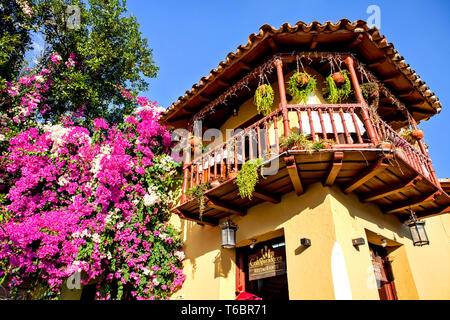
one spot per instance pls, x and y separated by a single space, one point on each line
222 162
333 125
235 154
355 123
186 165
322 124
258 140
266 137
198 174
299 116
344 125
311 125
277 145
243 148
250 144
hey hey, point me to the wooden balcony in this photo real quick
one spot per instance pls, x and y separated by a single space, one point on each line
395 176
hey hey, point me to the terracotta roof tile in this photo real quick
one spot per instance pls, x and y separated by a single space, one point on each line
316 27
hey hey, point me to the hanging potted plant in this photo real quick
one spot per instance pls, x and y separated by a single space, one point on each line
385 145
263 99
301 85
417 134
198 192
369 91
337 91
338 78
248 177
195 140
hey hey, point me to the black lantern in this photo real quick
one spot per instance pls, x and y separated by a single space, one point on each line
228 234
417 228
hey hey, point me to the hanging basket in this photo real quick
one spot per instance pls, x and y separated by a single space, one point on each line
264 97
302 80
338 78
301 85
195 141
417 134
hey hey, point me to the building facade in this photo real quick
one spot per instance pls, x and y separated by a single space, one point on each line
322 222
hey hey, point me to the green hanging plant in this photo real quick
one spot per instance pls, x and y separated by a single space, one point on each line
199 193
264 97
248 177
299 140
301 85
335 93
369 91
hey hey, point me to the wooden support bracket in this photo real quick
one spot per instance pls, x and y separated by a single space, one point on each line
223 206
187 216
413 202
397 188
367 174
377 62
335 168
291 167
272 44
313 42
262 194
357 41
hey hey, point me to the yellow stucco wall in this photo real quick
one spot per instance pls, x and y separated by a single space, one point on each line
326 216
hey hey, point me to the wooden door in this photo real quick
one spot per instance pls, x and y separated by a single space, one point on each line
383 273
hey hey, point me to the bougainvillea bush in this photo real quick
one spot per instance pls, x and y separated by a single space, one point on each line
91 202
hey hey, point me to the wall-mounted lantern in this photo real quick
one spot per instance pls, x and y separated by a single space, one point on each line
228 234
305 242
358 242
417 229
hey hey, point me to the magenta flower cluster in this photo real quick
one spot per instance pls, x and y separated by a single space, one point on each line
95 203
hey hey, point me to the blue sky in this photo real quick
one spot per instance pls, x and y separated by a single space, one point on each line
189 38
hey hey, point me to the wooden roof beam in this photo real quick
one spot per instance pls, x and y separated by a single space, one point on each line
405 93
335 168
187 216
272 44
357 41
413 202
391 77
390 190
223 83
203 98
244 66
377 62
223 206
367 174
313 44
292 169
263 195
433 212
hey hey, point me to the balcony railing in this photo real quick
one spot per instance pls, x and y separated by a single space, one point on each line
342 123
417 160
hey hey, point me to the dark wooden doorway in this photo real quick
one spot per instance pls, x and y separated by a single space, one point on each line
272 287
383 272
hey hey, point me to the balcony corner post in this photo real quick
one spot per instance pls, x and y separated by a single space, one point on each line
186 164
359 96
283 101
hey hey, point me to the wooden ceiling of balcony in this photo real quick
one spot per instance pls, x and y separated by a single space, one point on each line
382 179
366 43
